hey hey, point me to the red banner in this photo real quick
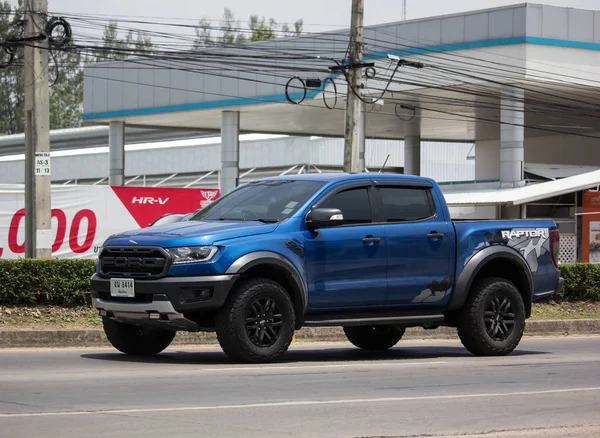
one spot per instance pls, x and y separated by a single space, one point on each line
84 216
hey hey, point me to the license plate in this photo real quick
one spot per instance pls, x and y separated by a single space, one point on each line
122 288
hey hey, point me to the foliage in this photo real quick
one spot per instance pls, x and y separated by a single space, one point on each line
203 34
12 98
66 93
114 48
582 282
260 30
60 282
65 77
231 33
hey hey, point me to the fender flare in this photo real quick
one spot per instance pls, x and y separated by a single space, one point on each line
477 262
248 261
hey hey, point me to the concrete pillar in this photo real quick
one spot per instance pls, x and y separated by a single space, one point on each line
487 159
116 153
230 150
412 145
512 136
511 212
362 135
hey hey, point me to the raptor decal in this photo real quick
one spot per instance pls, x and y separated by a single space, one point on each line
532 248
531 243
436 291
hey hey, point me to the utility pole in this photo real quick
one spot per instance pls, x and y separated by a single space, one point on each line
38 237
362 137
353 103
403 10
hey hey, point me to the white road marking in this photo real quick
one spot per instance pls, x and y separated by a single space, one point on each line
301 403
303 367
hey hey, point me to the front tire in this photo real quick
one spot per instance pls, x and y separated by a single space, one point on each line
134 340
256 325
374 337
493 320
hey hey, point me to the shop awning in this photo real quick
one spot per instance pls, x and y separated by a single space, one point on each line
557 171
526 194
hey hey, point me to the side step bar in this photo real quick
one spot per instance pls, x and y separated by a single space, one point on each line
406 321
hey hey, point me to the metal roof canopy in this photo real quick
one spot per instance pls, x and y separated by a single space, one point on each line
523 39
552 172
92 136
526 194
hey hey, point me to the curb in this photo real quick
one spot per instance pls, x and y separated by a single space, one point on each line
95 337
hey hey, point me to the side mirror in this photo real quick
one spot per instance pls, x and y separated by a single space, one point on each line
324 217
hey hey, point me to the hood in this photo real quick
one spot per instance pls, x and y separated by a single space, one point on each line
193 233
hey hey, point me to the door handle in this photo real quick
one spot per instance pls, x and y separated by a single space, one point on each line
371 239
434 235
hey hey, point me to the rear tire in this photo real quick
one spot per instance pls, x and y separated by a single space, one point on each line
493 319
134 340
256 324
377 337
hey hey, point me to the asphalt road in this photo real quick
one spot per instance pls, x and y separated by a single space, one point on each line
320 391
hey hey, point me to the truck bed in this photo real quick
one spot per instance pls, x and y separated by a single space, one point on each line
529 238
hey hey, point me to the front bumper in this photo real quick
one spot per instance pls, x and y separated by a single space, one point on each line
163 302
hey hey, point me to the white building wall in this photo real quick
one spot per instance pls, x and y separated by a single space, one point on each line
563 149
448 161
442 161
547 149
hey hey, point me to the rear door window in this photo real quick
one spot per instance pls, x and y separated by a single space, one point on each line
406 204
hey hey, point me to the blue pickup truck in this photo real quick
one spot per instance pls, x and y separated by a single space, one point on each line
372 253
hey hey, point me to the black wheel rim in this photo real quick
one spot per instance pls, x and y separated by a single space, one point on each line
499 318
264 322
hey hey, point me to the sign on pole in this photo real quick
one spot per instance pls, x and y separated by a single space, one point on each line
42 164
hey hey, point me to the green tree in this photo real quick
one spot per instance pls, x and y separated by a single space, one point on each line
12 95
115 48
66 91
261 30
139 43
65 79
229 25
298 25
112 47
230 33
285 29
203 34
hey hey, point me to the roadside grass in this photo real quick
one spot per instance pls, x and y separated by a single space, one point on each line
566 310
83 317
48 317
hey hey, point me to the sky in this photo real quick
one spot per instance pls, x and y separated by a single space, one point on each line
318 15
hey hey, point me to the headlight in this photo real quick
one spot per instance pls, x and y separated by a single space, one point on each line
192 254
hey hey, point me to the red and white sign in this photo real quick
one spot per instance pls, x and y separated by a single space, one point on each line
84 216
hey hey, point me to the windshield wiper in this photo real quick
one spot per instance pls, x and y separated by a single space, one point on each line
267 221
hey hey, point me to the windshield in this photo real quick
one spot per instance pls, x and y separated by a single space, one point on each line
265 201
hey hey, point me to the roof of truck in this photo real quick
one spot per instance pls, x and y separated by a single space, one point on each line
329 177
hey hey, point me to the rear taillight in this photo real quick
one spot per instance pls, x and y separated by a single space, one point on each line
555 245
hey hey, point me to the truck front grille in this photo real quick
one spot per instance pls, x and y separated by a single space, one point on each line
133 262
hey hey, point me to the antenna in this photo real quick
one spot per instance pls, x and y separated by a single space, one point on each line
384 163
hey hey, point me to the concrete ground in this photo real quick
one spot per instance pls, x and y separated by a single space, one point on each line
548 387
